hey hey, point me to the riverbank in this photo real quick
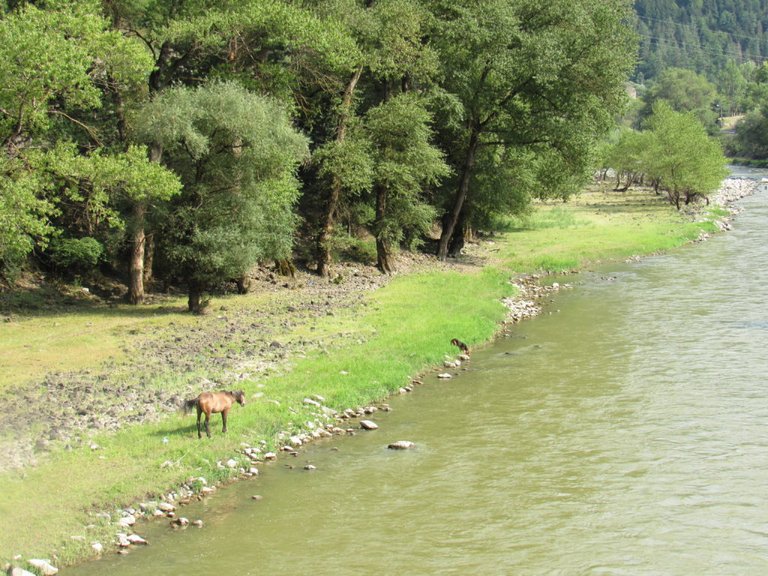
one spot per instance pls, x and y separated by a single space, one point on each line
302 358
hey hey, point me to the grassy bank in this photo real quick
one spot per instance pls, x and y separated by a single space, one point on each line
389 335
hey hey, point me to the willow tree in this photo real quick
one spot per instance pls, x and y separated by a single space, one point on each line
236 154
545 79
685 160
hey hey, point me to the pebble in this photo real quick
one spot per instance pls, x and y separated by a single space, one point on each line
43 566
368 425
401 445
136 539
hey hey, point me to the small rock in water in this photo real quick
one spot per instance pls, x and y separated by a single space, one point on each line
197 523
401 445
368 425
181 522
444 376
44 566
310 467
122 540
136 539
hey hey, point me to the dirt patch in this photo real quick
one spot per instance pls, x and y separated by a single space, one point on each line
66 409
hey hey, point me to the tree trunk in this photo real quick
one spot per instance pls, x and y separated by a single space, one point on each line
383 252
324 257
136 288
449 223
195 298
149 258
456 243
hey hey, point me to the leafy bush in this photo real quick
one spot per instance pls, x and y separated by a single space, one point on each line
75 255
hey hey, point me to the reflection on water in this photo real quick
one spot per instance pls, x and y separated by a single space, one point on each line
624 433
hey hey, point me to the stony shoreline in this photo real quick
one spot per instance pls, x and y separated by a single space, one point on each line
329 422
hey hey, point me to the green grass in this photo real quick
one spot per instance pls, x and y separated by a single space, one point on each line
391 336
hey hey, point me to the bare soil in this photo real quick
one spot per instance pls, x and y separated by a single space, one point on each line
66 409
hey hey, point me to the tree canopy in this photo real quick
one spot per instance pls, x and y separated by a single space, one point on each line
189 141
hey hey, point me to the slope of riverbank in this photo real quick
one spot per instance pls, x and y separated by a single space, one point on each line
304 351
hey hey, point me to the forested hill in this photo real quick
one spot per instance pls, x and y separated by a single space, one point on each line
701 35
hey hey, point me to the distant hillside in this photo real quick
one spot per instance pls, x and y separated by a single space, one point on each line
701 35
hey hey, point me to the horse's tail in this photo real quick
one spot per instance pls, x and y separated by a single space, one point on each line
188 405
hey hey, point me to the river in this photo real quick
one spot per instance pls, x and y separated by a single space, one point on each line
624 431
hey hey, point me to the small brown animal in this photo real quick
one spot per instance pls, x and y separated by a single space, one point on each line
211 403
461 346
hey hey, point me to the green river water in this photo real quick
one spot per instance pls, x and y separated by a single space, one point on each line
624 431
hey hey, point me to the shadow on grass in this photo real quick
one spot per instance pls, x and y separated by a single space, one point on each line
50 300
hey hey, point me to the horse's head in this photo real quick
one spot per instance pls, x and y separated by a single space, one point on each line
240 397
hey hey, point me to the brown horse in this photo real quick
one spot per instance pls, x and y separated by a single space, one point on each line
211 403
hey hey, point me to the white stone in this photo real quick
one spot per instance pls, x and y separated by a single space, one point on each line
136 539
97 547
44 566
368 425
127 521
401 445
16 571
295 441
444 376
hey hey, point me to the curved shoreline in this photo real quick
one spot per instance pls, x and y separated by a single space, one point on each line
245 463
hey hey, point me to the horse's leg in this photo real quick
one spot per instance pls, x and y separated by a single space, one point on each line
199 412
208 423
224 419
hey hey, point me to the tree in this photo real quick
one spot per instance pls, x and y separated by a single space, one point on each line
629 156
519 75
685 91
24 215
685 160
405 163
394 58
236 154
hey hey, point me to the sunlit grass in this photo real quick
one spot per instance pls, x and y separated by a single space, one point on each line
392 335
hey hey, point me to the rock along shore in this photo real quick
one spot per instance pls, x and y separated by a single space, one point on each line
329 422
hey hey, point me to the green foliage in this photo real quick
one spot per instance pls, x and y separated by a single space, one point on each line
23 214
685 91
544 82
75 255
67 54
682 156
751 140
405 162
236 154
704 35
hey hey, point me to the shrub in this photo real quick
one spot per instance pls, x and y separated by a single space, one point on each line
75 255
